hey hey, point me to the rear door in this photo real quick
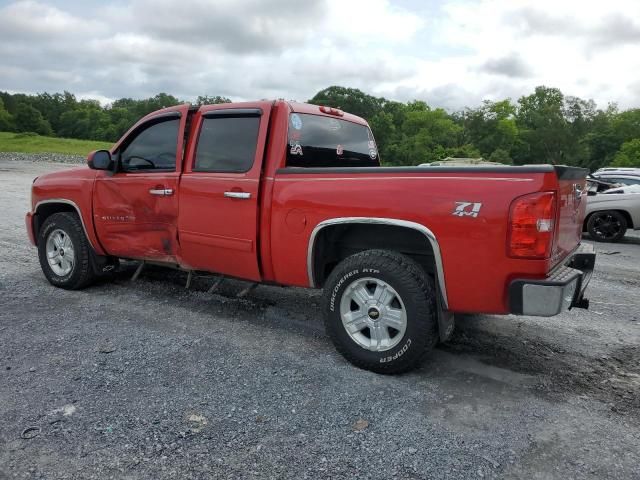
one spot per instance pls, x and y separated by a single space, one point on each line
219 191
136 209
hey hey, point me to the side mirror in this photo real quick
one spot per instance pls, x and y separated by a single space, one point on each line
100 160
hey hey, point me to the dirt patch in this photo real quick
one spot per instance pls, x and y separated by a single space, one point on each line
613 378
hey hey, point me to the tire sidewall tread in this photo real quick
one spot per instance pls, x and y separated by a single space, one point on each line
82 273
415 288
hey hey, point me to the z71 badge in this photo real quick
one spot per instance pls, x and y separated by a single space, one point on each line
467 209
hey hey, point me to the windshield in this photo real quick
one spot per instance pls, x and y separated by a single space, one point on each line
318 141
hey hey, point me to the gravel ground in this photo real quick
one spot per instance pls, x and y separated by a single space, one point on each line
148 380
41 157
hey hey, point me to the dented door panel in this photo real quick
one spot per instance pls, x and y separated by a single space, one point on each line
135 212
133 223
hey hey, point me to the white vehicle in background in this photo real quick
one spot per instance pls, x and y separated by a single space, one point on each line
625 176
611 212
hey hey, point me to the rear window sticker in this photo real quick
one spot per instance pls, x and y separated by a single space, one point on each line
296 149
296 121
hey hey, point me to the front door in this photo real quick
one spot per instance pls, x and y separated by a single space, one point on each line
136 209
218 220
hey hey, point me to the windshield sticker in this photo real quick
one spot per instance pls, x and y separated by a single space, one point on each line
373 153
334 124
372 145
296 149
339 150
296 121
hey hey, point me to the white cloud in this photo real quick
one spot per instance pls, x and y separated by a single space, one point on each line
366 22
588 49
454 54
19 21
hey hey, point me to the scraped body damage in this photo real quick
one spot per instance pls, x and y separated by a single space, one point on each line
133 223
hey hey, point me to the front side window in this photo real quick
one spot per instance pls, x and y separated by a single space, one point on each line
227 144
319 141
154 148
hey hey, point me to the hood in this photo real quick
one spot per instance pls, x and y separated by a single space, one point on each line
83 172
624 189
615 198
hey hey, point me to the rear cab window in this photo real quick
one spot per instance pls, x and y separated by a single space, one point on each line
227 144
316 141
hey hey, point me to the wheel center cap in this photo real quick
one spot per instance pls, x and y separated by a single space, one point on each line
62 252
374 314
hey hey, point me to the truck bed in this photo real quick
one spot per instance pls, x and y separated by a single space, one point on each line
470 246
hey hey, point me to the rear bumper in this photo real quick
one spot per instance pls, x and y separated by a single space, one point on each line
561 290
28 220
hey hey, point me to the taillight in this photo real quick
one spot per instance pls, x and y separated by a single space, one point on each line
531 225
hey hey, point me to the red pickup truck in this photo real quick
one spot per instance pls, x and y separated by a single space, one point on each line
293 194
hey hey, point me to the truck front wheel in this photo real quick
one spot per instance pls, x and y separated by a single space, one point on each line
64 252
380 311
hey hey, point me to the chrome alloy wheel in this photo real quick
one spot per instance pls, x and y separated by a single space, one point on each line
60 253
373 314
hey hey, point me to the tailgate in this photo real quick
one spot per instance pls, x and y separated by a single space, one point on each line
572 202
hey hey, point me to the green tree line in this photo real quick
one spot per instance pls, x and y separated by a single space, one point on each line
63 115
545 126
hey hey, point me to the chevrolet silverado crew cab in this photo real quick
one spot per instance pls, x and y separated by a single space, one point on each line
293 194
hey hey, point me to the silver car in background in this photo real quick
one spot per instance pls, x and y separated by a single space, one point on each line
611 212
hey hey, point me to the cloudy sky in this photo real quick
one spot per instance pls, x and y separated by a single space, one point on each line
451 53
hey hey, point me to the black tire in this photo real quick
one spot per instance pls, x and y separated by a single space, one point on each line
607 226
82 272
417 294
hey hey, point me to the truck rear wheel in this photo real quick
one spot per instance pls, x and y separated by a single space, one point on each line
64 252
380 311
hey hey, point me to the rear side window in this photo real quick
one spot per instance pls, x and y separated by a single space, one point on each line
318 141
227 144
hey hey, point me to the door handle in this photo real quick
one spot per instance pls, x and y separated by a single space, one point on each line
242 195
161 191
